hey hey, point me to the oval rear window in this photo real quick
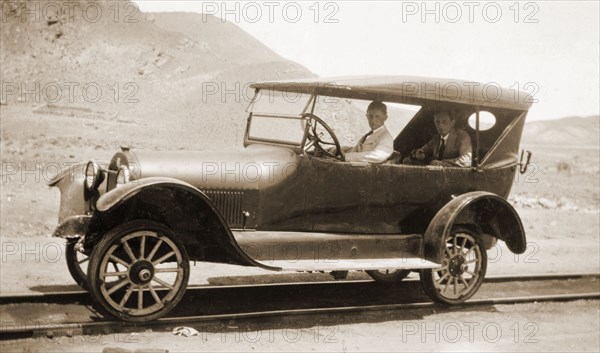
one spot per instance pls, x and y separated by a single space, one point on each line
487 120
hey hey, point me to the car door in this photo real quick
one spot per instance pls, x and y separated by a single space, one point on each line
418 192
346 197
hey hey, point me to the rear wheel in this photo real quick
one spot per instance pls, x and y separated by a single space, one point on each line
462 272
388 276
139 271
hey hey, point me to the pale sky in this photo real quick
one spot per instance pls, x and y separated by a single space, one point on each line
550 49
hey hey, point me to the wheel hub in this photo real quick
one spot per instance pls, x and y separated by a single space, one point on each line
141 272
457 266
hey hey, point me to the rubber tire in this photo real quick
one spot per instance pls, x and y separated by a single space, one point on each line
103 246
427 277
396 277
75 270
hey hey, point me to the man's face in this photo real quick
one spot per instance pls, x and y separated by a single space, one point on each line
443 123
376 118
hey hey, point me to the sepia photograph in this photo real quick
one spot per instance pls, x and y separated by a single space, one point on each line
293 176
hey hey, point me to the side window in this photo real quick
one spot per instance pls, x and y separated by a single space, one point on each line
347 117
487 123
399 115
487 120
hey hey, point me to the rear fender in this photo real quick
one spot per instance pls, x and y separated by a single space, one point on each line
485 212
180 206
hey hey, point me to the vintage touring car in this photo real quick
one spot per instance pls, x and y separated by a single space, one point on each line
289 201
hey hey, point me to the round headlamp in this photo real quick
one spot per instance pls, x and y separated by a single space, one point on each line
92 175
123 175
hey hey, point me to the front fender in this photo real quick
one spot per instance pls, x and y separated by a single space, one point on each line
73 227
180 206
72 192
486 212
123 192
74 198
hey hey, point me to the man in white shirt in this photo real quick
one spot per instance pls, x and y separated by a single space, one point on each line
377 145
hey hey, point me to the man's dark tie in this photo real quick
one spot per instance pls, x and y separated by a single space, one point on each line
441 150
364 138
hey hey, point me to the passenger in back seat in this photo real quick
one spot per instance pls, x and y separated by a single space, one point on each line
450 147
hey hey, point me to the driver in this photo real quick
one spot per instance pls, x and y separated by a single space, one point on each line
377 145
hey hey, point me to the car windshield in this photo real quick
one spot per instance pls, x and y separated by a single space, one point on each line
277 117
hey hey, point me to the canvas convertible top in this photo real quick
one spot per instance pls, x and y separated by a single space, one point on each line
407 89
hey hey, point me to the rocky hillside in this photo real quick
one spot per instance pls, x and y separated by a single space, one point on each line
162 72
571 131
209 32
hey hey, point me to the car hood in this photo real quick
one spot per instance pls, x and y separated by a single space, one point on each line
255 167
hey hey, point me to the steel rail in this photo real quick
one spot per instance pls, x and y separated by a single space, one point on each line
16 331
107 327
76 295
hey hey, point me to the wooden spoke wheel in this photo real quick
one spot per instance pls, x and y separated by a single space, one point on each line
389 276
139 271
77 264
462 272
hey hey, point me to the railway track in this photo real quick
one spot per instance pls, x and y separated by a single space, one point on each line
72 313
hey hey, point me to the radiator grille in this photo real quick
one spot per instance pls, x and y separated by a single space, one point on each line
229 204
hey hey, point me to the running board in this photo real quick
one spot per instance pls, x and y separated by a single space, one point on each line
352 264
328 248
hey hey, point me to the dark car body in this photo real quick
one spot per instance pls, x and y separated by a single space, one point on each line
279 205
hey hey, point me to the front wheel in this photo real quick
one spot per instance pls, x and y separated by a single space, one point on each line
151 272
462 272
77 264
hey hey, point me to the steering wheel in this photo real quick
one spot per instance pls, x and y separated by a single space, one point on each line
315 137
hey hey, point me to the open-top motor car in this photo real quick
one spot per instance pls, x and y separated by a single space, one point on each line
288 201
